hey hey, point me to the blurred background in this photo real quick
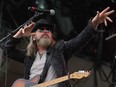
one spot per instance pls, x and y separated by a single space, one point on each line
71 17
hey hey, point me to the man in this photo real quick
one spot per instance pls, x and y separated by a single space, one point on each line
47 57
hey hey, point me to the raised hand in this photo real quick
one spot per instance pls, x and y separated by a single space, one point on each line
25 31
102 17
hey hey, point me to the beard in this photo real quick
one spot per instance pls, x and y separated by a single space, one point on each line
44 42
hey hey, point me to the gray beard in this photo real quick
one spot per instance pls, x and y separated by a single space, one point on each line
44 42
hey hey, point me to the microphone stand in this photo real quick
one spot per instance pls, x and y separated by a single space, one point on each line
13 32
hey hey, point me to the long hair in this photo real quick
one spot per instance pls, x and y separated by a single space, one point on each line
32 47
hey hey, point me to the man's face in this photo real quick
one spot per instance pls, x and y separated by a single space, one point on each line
43 37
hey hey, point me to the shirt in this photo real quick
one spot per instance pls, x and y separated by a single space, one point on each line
37 68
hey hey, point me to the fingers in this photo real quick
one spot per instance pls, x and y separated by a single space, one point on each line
109 19
28 27
104 15
105 10
32 34
97 14
23 30
110 12
31 26
105 22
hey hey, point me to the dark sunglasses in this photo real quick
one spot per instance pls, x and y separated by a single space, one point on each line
41 29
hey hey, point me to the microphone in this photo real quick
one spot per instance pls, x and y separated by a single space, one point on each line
51 12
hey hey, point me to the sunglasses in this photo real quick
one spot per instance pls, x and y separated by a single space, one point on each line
41 29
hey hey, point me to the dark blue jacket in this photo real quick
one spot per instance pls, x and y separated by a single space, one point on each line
62 52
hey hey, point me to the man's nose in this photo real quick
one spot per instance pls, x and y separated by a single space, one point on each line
45 31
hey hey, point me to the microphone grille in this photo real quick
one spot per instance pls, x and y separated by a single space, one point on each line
52 12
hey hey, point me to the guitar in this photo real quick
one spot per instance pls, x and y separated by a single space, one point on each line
33 82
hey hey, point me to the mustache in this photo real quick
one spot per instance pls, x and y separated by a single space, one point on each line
45 35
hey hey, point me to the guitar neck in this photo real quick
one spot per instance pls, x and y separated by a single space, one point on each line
52 82
76 75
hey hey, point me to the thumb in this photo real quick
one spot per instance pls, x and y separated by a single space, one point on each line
32 34
97 15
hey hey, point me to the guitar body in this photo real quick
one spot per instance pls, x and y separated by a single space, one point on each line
26 83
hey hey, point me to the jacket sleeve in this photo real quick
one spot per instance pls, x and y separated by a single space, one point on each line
81 40
12 52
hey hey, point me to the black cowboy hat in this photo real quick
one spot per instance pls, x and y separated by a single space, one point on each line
43 23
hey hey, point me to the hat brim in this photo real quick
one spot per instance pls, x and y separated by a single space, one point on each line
36 27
